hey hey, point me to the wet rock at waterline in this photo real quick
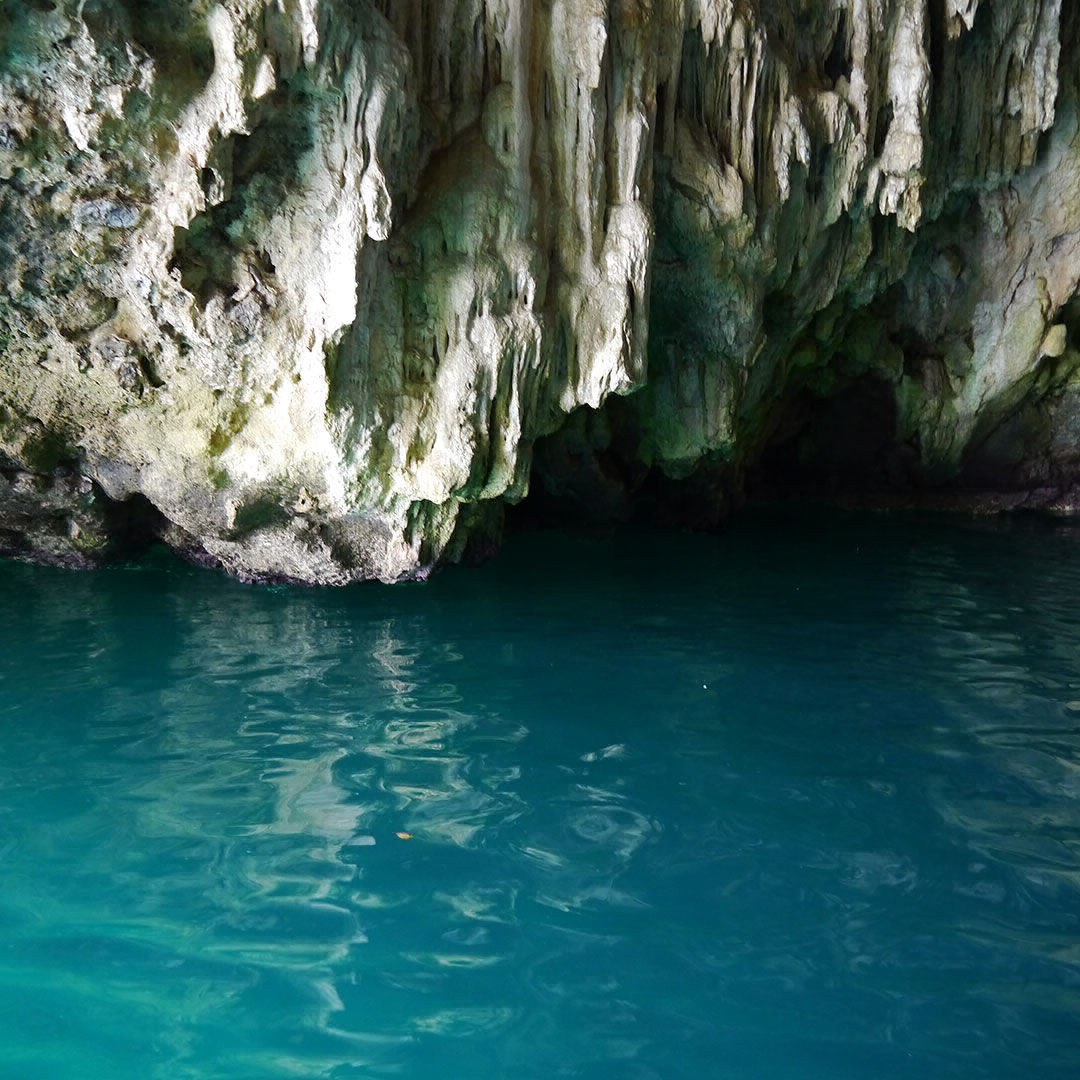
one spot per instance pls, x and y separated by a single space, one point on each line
312 289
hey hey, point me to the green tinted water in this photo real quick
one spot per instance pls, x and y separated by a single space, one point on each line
801 800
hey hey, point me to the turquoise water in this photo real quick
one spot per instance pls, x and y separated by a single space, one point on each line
801 800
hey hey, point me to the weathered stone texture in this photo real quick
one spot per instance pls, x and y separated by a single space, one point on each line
311 276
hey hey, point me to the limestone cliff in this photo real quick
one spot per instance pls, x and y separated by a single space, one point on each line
299 286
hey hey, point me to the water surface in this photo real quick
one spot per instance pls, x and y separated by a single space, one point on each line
801 800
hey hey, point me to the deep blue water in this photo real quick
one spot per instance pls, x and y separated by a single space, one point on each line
801 800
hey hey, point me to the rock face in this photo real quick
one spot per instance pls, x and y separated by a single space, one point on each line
311 288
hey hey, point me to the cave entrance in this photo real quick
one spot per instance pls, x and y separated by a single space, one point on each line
820 446
842 443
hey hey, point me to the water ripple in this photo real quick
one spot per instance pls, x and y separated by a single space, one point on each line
812 810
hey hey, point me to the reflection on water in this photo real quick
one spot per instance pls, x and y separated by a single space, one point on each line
813 809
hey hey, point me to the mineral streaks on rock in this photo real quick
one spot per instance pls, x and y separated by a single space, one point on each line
767 242
298 284
308 276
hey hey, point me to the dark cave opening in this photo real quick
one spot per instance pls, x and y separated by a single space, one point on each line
587 472
844 443
607 491
134 526
819 447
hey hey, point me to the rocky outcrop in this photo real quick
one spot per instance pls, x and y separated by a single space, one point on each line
299 286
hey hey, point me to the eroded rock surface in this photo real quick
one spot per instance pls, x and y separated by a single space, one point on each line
298 285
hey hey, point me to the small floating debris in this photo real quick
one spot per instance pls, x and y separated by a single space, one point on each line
404 835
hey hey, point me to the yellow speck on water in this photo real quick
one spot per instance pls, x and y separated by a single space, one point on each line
404 835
